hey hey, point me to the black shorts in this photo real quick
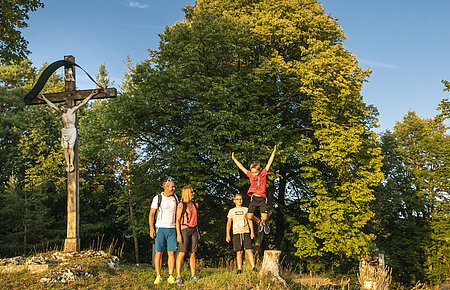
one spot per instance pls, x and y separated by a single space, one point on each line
257 201
190 240
240 240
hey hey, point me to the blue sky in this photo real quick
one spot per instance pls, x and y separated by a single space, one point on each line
405 43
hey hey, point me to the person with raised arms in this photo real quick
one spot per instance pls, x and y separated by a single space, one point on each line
257 190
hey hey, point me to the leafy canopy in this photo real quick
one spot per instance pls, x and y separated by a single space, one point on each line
14 14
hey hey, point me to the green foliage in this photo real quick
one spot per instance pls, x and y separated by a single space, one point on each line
31 189
17 75
14 18
444 106
438 251
413 201
102 170
102 77
241 77
401 218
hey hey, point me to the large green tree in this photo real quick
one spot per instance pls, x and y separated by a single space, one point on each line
30 186
14 16
414 212
12 80
112 173
401 220
243 76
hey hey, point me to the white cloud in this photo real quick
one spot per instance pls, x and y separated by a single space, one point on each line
136 4
377 64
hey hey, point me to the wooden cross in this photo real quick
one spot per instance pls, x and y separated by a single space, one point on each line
70 96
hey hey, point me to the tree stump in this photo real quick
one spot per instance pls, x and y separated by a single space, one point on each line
270 267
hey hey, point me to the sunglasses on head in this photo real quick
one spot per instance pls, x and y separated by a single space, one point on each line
169 179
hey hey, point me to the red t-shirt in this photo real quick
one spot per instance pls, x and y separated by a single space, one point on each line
257 183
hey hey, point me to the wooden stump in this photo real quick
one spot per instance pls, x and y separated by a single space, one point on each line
270 267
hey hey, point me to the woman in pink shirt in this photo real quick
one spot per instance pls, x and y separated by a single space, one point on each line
187 232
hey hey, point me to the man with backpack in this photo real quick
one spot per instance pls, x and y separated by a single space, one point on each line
164 207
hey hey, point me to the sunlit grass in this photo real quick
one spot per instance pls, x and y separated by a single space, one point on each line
132 276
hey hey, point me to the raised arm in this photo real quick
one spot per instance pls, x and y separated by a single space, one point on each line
84 102
50 104
272 156
239 164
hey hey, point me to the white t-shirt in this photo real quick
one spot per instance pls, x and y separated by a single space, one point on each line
240 223
166 214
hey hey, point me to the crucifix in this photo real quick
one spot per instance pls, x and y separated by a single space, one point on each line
70 96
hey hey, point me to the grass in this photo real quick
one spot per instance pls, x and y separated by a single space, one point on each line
142 276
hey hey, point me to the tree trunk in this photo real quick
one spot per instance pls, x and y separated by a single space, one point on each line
270 267
132 218
25 224
280 224
135 235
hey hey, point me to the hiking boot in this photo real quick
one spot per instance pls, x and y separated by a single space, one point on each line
260 226
254 269
158 280
171 280
179 281
239 271
195 277
266 228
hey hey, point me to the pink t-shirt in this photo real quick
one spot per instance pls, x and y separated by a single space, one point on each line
191 216
257 183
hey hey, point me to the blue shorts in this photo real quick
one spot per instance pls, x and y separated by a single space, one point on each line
166 237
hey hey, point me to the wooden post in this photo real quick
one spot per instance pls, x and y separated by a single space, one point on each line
70 96
72 242
270 267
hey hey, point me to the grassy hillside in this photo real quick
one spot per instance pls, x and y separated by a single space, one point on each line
97 270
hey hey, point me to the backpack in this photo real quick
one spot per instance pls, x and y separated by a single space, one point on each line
185 214
160 200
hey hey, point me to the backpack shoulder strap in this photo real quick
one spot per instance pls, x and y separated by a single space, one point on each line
159 201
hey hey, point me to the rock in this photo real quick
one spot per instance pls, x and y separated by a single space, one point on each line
69 266
45 280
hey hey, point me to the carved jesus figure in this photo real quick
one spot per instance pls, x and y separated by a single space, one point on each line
69 130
